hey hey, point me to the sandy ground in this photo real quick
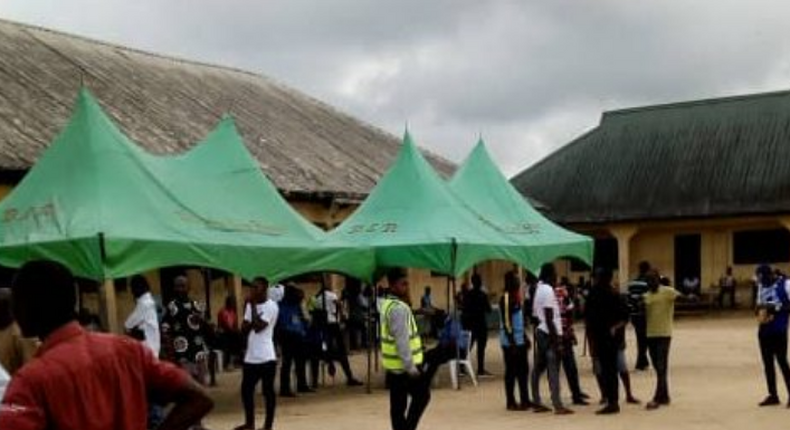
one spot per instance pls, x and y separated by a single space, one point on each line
715 378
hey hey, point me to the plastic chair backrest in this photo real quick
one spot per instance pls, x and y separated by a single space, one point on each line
465 342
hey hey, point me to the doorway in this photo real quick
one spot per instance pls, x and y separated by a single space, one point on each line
688 260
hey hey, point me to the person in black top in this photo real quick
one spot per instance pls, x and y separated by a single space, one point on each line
476 310
636 291
605 317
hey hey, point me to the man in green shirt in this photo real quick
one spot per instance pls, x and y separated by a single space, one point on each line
659 312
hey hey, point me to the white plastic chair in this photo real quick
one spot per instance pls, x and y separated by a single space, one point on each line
466 344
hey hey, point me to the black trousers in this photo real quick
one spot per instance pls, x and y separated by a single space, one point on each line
251 375
773 347
409 397
659 354
570 368
480 338
640 329
335 352
516 371
293 355
607 376
336 349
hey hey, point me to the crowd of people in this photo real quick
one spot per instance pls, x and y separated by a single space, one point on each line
153 376
551 307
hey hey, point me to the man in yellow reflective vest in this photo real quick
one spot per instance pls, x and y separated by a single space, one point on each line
402 356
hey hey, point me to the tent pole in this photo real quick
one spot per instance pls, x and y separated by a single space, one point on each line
238 294
454 259
206 272
110 305
107 295
369 341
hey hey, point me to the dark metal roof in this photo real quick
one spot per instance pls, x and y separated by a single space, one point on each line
167 104
707 158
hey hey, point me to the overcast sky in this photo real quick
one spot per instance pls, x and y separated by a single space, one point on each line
529 75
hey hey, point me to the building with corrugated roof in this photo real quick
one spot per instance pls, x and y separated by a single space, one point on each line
691 187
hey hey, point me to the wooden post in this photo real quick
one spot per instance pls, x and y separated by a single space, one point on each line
110 306
238 293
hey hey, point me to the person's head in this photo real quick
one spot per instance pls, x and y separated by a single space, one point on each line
477 281
653 280
603 278
565 281
513 289
139 286
44 298
290 294
644 267
729 270
230 303
181 287
530 279
427 291
664 281
398 283
84 317
548 274
260 287
765 276
6 316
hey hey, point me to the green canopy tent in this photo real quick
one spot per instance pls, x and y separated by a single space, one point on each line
104 207
481 185
413 219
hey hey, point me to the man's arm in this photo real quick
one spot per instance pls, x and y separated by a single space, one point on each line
252 321
136 318
191 404
400 331
167 384
548 313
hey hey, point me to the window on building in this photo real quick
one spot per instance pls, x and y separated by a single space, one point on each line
761 246
606 254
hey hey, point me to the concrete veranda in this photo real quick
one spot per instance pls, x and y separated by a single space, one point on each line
715 378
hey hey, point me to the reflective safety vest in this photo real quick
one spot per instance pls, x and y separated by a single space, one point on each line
389 349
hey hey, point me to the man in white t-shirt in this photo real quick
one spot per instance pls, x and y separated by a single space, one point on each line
260 361
143 319
548 344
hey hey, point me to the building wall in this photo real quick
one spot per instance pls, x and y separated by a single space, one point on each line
655 242
4 190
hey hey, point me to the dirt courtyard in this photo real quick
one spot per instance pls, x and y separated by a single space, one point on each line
716 382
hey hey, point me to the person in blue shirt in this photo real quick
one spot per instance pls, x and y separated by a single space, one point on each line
773 303
514 341
293 338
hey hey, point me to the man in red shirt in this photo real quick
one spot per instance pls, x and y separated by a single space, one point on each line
85 381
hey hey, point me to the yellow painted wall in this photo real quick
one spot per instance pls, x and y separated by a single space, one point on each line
4 190
655 242
656 247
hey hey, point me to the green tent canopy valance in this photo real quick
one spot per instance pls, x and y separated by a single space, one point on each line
106 208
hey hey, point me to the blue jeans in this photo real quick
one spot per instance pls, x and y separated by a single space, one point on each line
546 359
